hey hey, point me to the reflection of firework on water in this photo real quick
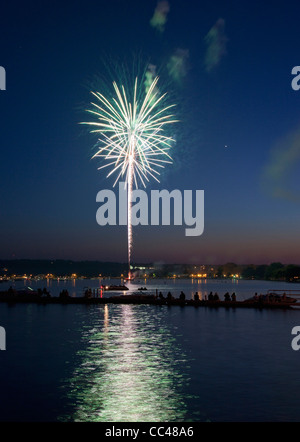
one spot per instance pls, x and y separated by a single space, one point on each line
131 137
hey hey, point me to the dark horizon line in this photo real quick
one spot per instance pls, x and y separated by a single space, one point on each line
77 261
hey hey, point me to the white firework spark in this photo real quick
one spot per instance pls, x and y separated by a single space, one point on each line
131 136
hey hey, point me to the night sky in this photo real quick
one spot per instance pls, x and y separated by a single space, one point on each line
228 65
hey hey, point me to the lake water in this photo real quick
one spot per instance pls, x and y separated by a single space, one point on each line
140 363
76 287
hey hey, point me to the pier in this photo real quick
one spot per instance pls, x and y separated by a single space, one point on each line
44 298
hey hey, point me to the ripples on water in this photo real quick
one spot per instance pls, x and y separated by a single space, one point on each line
130 370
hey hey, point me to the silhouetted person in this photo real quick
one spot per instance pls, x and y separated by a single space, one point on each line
46 293
87 293
233 297
182 296
196 297
64 294
227 297
210 297
11 291
216 297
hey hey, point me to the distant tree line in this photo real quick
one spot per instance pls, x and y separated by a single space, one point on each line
275 272
89 269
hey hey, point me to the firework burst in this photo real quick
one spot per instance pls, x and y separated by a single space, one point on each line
132 138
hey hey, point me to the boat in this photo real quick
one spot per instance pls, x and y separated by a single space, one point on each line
115 288
276 296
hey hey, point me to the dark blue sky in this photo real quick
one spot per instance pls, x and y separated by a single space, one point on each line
242 98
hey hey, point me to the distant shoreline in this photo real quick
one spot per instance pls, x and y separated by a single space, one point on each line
48 269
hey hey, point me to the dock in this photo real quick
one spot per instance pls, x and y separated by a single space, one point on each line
141 299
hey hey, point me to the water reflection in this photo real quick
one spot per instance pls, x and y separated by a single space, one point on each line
131 369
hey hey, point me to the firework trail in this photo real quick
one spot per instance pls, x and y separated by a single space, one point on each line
132 138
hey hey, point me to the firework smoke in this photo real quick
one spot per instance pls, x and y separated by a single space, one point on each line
149 77
216 41
159 18
283 163
177 65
